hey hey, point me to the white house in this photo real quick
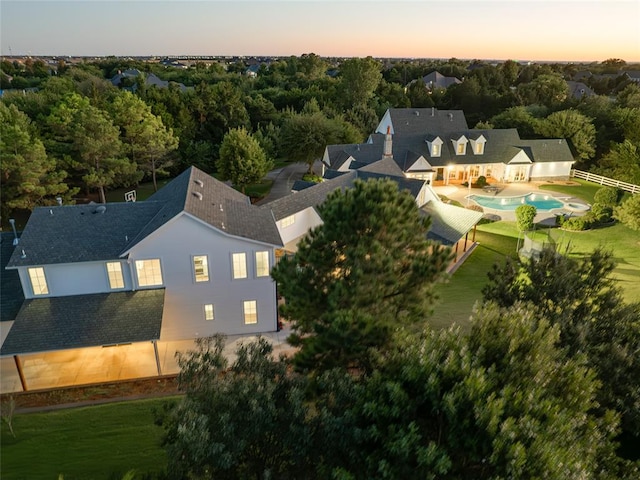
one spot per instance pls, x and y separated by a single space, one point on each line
192 260
437 146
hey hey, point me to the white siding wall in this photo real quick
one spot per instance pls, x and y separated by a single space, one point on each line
384 123
175 244
551 169
74 279
304 221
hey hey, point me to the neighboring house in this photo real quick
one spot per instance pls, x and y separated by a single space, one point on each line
252 70
579 90
437 80
437 146
633 75
150 80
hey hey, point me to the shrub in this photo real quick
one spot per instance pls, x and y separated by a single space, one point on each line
310 177
525 215
576 224
560 219
601 212
607 196
629 212
475 208
481 181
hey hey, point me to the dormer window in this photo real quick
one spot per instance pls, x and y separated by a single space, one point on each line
460 145
478 145
435 147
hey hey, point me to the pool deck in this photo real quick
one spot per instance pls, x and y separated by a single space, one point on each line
460 194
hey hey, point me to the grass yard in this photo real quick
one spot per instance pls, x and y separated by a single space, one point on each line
499 239
460 293
585 190
100 442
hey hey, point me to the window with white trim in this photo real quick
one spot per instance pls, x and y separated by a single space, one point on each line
114 271
287 221
250 308
208 312
149 272
239 264
200 268
262 264
38 281
461 148
435 150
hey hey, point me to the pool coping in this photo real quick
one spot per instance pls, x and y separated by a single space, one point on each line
564 199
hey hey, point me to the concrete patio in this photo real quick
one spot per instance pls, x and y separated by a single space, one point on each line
460 194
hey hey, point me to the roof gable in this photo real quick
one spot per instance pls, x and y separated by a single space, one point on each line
83 233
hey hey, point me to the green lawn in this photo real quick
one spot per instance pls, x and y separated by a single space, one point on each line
585 190
100 442
460 293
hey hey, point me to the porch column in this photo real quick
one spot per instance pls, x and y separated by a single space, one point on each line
155 350
23 381
466 236
456 251
474 233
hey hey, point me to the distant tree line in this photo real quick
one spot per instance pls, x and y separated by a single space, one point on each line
81 134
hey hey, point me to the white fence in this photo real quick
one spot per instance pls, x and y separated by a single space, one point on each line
609 182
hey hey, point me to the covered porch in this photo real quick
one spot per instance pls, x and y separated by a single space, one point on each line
83 339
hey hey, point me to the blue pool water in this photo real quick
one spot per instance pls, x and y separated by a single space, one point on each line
540 201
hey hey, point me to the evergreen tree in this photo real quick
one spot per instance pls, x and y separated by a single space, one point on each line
29 176
367 270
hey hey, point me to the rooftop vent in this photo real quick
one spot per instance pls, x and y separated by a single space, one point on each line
417 113
15 233
199 182
198 195
100 209
451 117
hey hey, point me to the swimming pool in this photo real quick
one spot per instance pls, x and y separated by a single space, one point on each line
542 202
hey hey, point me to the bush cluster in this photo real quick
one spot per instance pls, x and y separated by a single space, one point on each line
601 212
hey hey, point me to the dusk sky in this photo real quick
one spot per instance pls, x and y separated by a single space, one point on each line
575 30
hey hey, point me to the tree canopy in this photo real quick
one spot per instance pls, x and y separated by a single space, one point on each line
242 159
365 271
581 298
29 177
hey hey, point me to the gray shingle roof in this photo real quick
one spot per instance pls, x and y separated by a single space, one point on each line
500 147
11 295
436 80
425 120
80 233
49 324
448 222
548 150
317 194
